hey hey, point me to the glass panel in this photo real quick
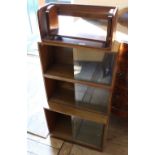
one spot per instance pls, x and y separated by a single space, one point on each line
81 96
91 98
94 66
87 131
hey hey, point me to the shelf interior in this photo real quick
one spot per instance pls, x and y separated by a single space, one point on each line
87 131
57 61
94 66
76 42
60 71
77 95
70 27
69 64
75 129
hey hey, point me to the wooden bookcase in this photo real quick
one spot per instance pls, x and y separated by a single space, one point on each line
120 93
78 71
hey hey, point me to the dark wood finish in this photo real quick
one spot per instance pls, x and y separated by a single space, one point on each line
97 12
56 67
52 18
62 128
51 119
49 86
50 28
43 25
55 56
77 43
69 96
71 110
58 70
62 99
120 93
45 56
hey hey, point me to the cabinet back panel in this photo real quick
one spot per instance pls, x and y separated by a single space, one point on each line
63 55
53 55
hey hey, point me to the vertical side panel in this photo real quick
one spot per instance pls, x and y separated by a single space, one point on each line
46 56
50 119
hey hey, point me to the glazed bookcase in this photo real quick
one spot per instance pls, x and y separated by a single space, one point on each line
78 71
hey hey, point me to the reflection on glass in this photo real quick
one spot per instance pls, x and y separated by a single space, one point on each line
95 67
87 131
92 29
91 98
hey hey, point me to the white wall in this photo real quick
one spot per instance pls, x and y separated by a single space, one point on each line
121 4
102 2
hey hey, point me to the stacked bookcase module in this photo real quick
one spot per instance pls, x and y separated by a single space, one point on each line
78 59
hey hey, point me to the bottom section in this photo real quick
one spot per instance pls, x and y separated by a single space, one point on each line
87 131
75 129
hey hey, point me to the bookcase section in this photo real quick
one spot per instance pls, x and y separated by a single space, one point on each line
76 95
75 129
78 62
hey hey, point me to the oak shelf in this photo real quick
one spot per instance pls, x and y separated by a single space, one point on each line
76 43
64 73
57 70
81 100
51 28
79 70
75 129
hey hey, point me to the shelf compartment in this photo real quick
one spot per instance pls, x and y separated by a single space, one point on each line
75 43
53 58
51 29
70 27
82 96
64 73
81 100
58 71
97 68
71 110
75 129
59 125
88 132
68 64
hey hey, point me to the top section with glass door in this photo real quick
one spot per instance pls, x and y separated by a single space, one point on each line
78 25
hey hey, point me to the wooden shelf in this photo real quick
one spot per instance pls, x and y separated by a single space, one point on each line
76 130
83 97
86 99
57 71
51 29
75 43
72 110
65 73
79 100
70 27
78 84
63 127
120 91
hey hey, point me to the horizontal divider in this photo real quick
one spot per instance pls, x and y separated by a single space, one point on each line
72 80
74 111
74 43
84 14
53 34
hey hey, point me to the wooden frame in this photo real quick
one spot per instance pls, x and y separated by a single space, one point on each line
64 129
54 78
49 23
57 62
